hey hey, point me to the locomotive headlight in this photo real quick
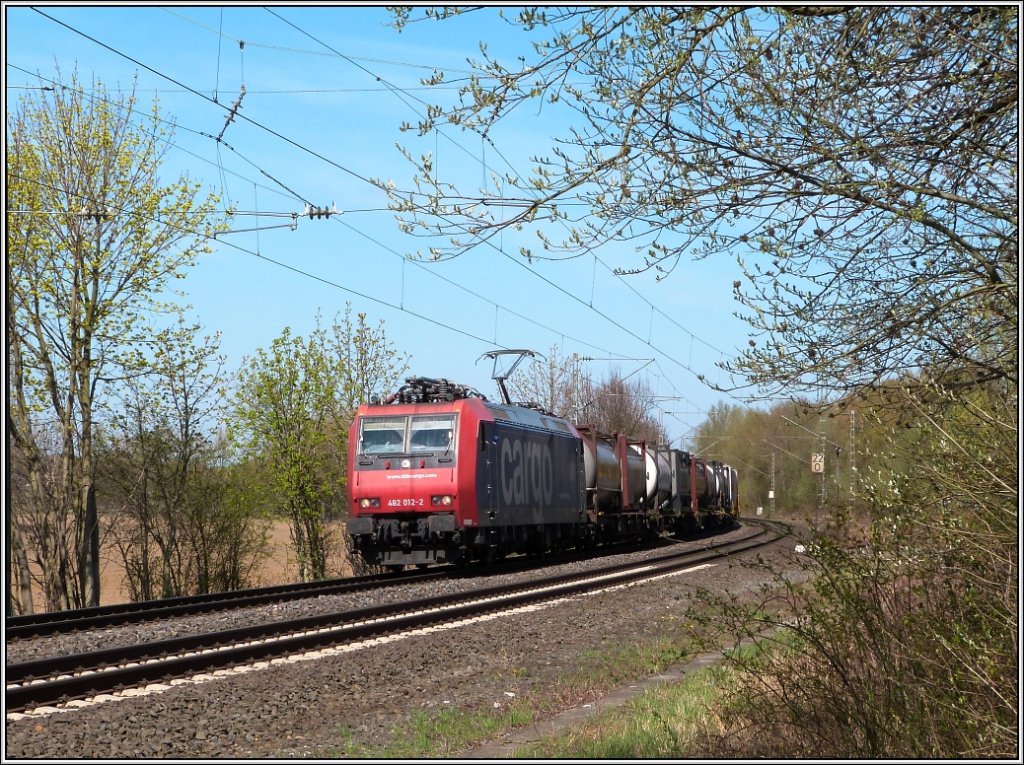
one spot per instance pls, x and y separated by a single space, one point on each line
441 500
368 502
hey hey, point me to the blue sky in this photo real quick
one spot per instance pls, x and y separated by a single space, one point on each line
326 89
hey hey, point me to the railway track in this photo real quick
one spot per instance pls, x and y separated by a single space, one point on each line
58 622
62 622
70 679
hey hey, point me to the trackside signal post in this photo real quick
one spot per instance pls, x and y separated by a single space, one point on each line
818 462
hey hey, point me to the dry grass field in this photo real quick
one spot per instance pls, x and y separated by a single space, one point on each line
278 568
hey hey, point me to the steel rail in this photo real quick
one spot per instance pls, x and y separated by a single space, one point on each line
61 622
60 679
58 622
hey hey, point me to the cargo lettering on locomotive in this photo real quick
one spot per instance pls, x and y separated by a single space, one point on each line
526 473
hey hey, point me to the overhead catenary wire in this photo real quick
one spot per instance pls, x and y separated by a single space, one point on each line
220 168
317 155
359 176
252 122
519 262
233 112
497 306
355 174
306 51
399 307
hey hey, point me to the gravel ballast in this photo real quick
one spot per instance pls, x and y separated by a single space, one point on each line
317 707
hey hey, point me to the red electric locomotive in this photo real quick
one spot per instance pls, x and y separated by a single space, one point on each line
438 473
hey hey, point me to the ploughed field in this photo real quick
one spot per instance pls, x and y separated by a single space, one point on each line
366 697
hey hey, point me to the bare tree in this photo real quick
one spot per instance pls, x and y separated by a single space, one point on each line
614 405
619 405
92 240
176 528
554 383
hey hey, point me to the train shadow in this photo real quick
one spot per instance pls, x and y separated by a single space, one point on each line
517 562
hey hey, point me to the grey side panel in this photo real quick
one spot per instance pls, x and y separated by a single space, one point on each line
529 477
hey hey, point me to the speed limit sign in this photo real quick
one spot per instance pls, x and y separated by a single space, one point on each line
817 463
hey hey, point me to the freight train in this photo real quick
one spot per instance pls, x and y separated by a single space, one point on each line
440 474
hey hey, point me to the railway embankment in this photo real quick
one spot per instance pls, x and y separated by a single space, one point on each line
514 670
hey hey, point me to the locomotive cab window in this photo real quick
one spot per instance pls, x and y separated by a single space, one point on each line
420 434
434 433
382 435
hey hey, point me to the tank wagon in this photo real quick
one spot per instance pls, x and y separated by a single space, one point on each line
438 473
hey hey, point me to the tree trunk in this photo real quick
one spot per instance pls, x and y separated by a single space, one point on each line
20 574
90 560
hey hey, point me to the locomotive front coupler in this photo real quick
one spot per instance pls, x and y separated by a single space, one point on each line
406 536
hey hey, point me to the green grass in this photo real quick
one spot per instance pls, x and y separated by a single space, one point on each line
660 723
439 733
657 723
600 670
